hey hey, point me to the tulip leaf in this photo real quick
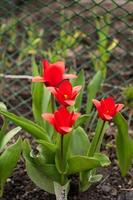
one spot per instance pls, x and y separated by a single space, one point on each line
7 137
81 163
79 142
103 159
41 174
81 120
47 150
95 178
124 144
40 97
3 106
8 160
92 89
80 80
29 126
4 125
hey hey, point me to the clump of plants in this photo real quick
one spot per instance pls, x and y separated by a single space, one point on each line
101 55
9 155
128 96
64 148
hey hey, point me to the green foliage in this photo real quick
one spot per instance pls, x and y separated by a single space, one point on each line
35 130
36 171
40 97
84 163
80 80
79 139
92 90
7 137
29 44
101 56
98 137
62 45
9 155
8 160
82 120
124 144
128 96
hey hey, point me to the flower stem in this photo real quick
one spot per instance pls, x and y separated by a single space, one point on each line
96 142
62 160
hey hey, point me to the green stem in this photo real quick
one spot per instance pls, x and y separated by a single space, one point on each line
62 160
96 142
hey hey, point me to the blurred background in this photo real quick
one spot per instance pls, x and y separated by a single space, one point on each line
86 34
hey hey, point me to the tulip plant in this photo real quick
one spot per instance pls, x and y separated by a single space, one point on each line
8 155
64 147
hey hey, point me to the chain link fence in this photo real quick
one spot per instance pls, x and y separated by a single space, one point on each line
56 29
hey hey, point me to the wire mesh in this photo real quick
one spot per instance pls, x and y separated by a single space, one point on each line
36 27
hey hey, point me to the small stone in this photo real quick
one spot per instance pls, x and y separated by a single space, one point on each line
114 192
129 195
106 188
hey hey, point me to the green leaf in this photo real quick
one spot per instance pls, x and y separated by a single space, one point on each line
92 89
79 142
39 178
85 163
47 150
98 137
8 137
81 163
29 126
103 159
41 174
80 80
8 161
82 119
4 125
40 97
95 178
3 106
61 192
124 144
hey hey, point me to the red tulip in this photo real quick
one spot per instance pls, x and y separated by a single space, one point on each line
107 108
62 120
65 93
53 74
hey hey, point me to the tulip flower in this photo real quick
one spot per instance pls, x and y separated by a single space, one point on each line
107 108
53 74
62 120
65 93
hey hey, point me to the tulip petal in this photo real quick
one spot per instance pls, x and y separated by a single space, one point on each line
77 88
48 117
52 90
45 65
75 116
109 103
65 88
69 102
96 103
69 76
61 64
38 79
119 107
66 129
107 117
